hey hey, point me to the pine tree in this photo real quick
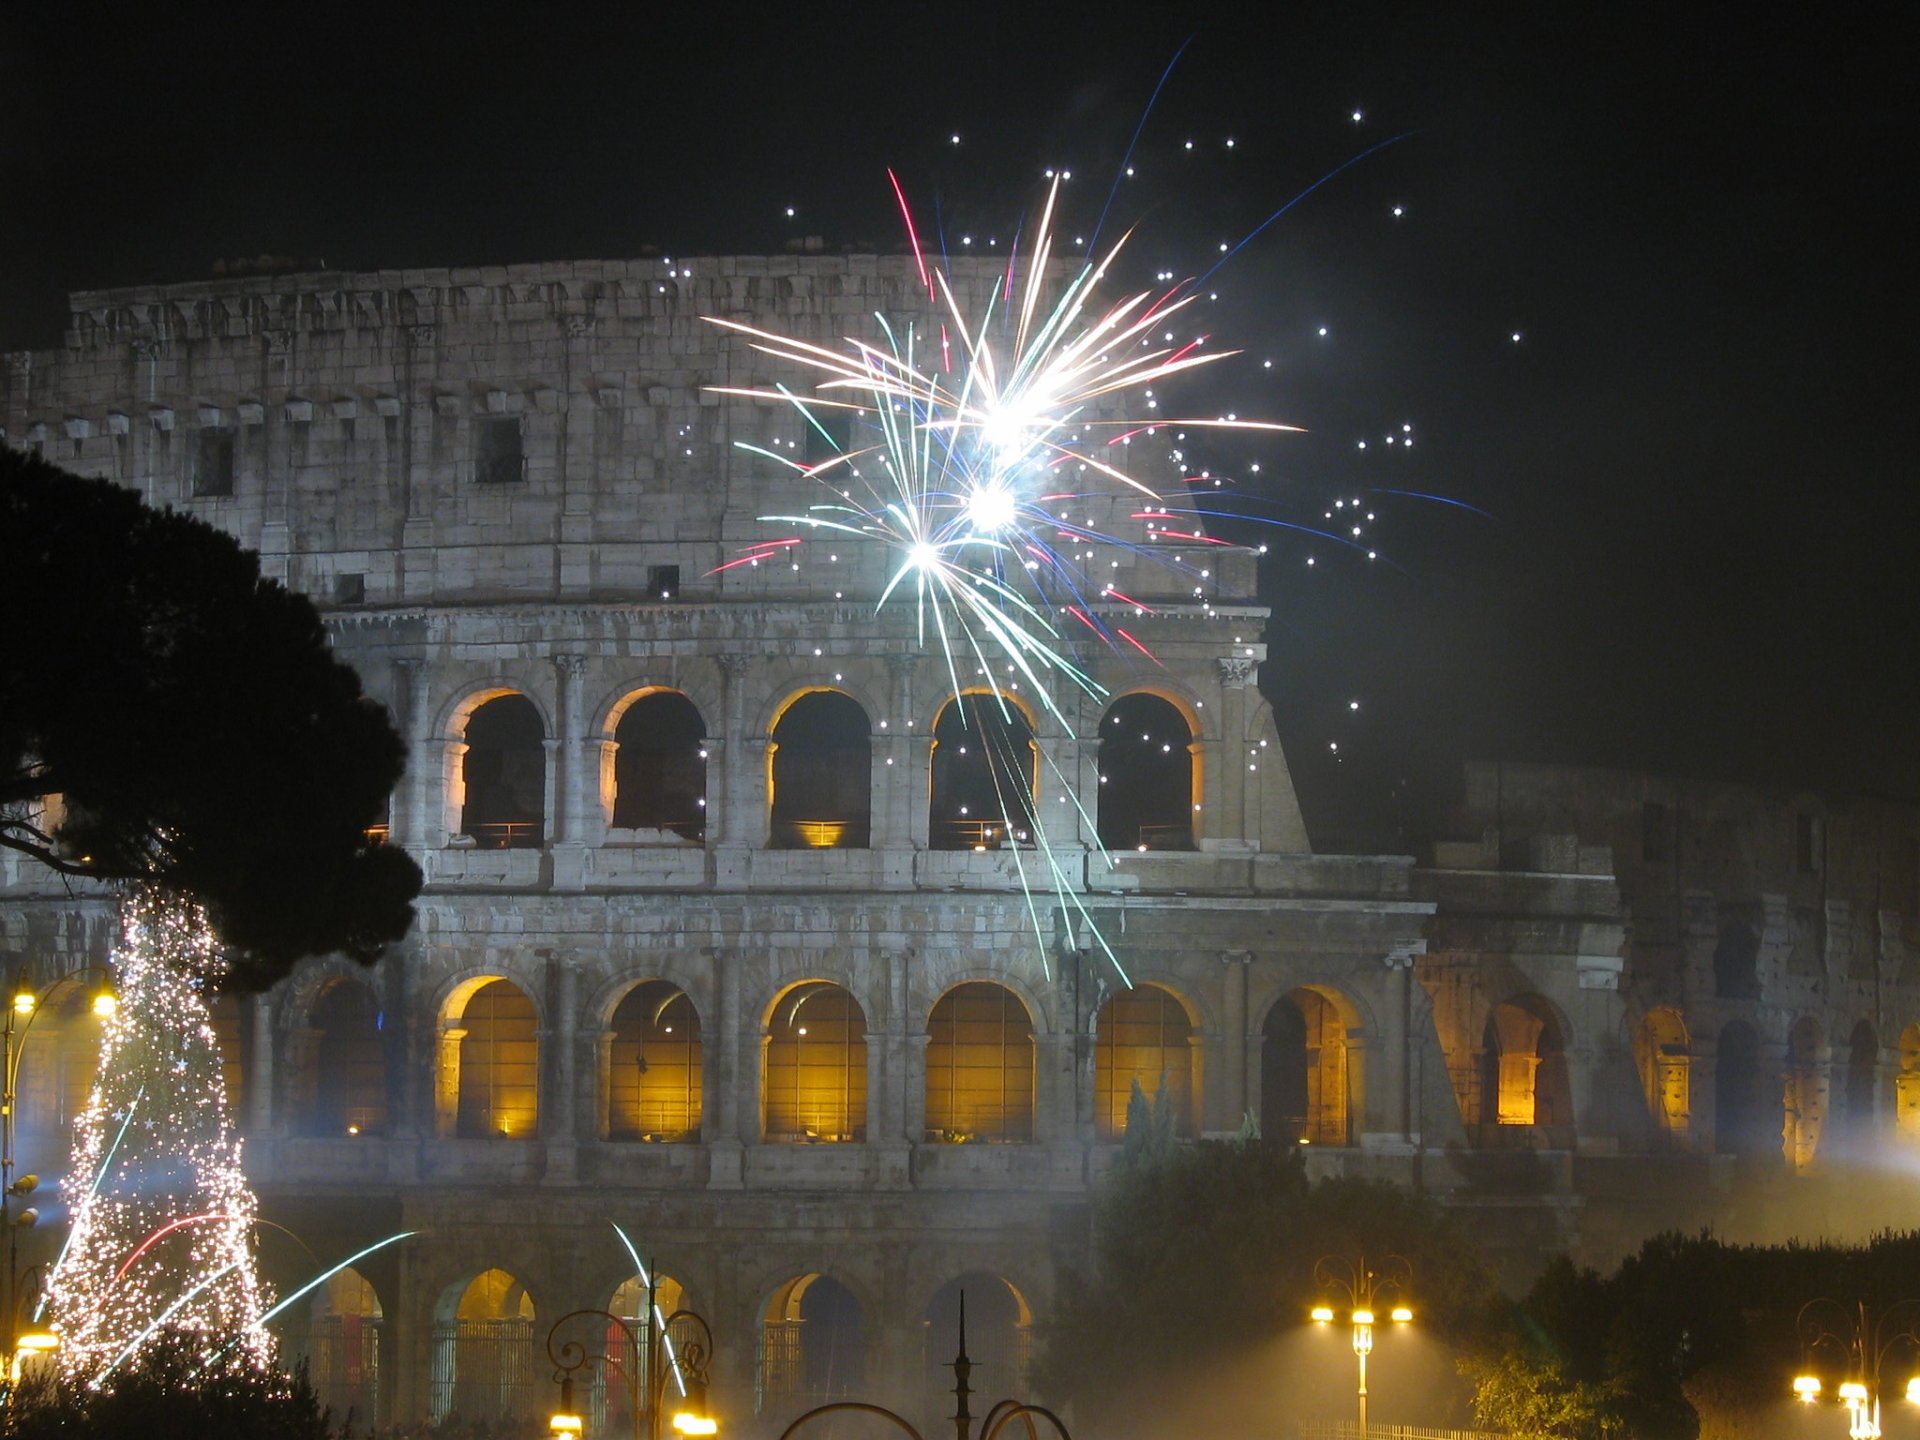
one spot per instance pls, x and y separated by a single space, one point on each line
162 1213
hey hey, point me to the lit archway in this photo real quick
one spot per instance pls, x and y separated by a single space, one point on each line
820 765
234 1037
1804 1095
342 1348
979 1065
607 1407
814 1076
484 1367
984 761
1906 1097
504 775
1307 1080
1143 1037
654 1066
496 1063
56 1064
1148 791
1661 1053
812 1346
660 767
1523 1079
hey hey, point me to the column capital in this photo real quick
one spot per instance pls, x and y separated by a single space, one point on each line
734 664
571 666
1402 956
1236 671
902 666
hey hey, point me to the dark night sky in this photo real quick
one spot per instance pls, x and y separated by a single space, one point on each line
1698 461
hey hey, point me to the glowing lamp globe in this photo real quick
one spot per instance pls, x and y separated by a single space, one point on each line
1853 1392
1363 1317
1401 1315
1321 1314
1913 1389
1807 1388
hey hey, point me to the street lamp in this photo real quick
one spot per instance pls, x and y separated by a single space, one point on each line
1862 1342
1002 1414
1365 1290
20 1013
690 1416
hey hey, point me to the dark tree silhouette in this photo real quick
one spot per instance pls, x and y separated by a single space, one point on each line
166 714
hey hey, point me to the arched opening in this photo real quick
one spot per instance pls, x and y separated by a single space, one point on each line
56 1063
1523 1080
1804 1095
504 775
342 1350
1306 1071
498 1064
1148 799
812 1346
660 768
1661 1052
821 763
1863 1072
1906 1097
603 1390
1742 1124
983 775
999 1343
653 1066
348 1065
814 1076
1736 962
1142 1037
484 1368
234 1037
979 1065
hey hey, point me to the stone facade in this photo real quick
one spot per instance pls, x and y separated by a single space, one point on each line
511 492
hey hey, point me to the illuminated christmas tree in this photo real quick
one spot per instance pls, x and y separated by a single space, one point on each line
162 1214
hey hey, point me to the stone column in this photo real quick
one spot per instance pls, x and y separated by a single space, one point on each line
260 1068
558 1110
1235 1103
569 764
1236 674
893 762
724 1085
731 826
1392 1108
409 823
446 1080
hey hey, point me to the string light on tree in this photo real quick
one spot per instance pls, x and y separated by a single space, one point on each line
162 1213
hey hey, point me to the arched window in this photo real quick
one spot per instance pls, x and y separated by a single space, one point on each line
235 1038
1524 1069
999 1342
483 1355
983 775
342 1348
1660 1051
660 767
499 1064
1742 1122
812 1346
1804 1094
1736 959
56 1062
1141 1036
505 776
1148 799
653 1080
822 764
1863 1073
1306 1079
815 1081
979 1065
1906 1097
606 1405
348 1067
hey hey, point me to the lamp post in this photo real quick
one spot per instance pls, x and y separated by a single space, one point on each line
22 1009
1365 1291
647 1398
997 1418
1862 1342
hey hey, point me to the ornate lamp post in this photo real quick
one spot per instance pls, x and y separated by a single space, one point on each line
687 1368
1862 1343
1365 1291
23 1008
1003 1413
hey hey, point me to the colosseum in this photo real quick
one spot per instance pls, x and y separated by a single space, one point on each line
731 937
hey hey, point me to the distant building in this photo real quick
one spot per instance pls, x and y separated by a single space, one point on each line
725 936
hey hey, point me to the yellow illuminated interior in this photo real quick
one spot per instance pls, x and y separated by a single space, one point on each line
654 1066
980 1065
1141 1034
815 1067
499 1064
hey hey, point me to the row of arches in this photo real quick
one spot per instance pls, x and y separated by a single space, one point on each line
1817 1101
486 1365
985 770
